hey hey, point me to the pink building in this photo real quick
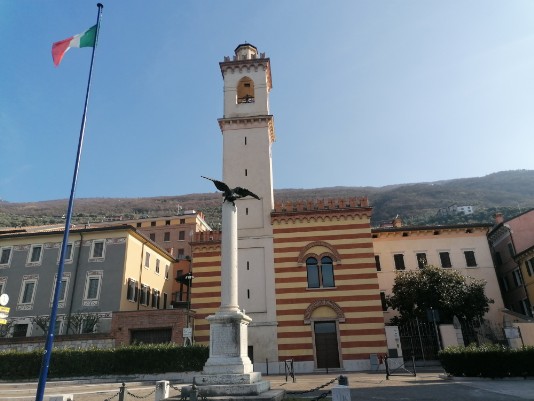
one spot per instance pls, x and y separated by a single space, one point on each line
507 239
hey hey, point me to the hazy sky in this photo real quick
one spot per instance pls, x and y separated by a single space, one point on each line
365 93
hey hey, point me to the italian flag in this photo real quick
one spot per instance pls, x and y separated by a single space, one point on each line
86 39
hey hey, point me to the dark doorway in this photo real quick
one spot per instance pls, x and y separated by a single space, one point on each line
326 347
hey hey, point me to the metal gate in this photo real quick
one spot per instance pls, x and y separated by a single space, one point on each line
483 332
419 339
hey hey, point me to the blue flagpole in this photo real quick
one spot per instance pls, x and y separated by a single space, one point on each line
53 314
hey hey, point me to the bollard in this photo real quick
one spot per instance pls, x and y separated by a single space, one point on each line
122 392
63 397
162 390
341 392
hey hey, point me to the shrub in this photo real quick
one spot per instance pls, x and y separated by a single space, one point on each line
488 361
135 359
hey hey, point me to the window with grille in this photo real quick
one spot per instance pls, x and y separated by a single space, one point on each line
92 288
445 259
517 278
27 291
421 260
155 299
399 261
498 258
383 300
97 249
5 256
530 267
133 290
470 260
511 249
147 259
145 294
35 254
63 291
377 263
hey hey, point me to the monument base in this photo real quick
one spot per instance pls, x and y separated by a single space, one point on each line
270 395
231 384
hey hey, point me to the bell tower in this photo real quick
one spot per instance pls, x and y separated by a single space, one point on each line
248 134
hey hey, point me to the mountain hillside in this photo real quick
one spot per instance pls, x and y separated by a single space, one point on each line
510 192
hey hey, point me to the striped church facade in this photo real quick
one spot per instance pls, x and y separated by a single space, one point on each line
328 303
328 307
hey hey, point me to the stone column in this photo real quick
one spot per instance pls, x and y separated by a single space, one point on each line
229 259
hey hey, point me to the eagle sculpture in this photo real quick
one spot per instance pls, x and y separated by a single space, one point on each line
230 195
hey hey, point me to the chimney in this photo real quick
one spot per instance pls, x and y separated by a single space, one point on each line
397 222
498 218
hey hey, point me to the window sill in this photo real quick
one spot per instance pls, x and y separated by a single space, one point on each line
33 264
321 288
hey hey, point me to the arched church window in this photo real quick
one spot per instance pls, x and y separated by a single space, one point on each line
312 270
245 90
320 274
327 271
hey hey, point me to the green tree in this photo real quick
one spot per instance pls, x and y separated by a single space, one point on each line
445 290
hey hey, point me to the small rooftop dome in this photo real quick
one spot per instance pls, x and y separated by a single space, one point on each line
246 51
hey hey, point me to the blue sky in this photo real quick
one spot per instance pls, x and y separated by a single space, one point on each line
365 93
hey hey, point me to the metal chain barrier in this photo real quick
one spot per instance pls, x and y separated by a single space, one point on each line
110 398
323 395
175 388
313 389
141 397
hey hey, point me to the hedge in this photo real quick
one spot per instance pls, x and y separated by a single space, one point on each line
135 359
492 361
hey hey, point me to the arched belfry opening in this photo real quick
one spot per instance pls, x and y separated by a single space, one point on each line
245 90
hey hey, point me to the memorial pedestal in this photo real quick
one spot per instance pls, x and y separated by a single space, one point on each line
228 370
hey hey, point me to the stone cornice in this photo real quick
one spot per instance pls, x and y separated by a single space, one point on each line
428 231
233 123
248 65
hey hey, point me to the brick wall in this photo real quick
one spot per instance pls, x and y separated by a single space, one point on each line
124 322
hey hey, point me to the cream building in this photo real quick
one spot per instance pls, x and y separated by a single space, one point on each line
463 247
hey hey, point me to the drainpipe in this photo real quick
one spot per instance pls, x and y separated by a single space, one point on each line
140 273
74 280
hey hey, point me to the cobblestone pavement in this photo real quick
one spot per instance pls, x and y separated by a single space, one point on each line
427 385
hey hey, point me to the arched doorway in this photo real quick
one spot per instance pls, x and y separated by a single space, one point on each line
324 317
